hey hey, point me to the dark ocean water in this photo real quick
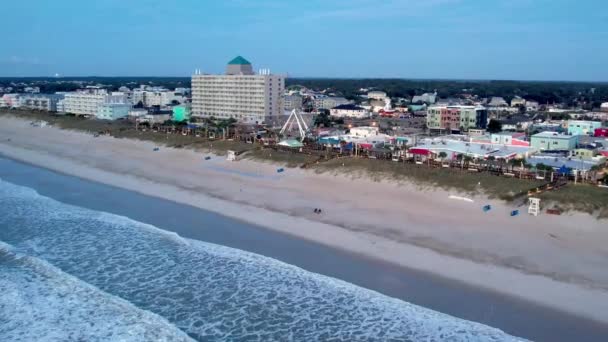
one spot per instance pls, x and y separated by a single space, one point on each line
71 273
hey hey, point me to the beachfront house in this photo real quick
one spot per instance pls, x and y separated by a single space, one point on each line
478 150
582 127
552 141
113 111
349 111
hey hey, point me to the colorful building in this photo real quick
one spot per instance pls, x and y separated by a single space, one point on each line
456 118
581 127
181 113
552 141
601 132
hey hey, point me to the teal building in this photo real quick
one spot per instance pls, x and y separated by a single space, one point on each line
181 113
113 111
552 141
581 127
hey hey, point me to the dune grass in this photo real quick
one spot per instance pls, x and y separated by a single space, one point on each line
474 183
579 197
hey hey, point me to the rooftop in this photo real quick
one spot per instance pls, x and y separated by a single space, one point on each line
553 135
569 162
239 60
478 150
456 106
349 107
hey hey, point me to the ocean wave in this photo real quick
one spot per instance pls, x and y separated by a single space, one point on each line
214 293
40 303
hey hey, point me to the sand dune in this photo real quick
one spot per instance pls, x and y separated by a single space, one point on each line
558 261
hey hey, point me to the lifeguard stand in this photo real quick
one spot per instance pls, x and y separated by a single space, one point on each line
231 156
534 208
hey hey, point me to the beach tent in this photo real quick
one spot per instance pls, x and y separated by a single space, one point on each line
419 151
333 141
564 170
291 143
366 146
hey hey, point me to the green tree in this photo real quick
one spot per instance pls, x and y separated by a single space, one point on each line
522 109
322 119
494 126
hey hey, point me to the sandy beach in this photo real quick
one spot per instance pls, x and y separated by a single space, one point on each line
556 261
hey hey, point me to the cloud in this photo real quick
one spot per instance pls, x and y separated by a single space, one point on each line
17 60
369 9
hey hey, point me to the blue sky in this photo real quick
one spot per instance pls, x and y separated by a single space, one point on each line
471 39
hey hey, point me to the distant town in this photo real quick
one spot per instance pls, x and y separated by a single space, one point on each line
543 127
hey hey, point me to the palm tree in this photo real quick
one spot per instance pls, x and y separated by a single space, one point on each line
460 158
442 155
467 160
491 160
594 171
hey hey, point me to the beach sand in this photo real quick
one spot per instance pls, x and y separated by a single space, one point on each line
556 261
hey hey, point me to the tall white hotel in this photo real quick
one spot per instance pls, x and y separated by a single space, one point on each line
239 94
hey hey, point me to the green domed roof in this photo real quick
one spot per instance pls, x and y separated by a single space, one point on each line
239 61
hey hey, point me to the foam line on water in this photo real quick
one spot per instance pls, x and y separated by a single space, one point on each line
214 293
38 302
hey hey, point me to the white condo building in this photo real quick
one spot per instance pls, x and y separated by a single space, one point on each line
329 102
87 102
240 94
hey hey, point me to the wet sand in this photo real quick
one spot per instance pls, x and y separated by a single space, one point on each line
514 316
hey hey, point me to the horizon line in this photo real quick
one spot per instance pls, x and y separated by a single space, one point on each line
333 78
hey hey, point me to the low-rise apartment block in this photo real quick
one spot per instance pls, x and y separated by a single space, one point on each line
88 101
47 102
291 102
552 141
456 118
582 127
113 111
329 102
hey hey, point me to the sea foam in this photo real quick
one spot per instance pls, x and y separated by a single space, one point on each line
211 292
38 302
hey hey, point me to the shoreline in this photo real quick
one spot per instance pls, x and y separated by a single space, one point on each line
576 299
